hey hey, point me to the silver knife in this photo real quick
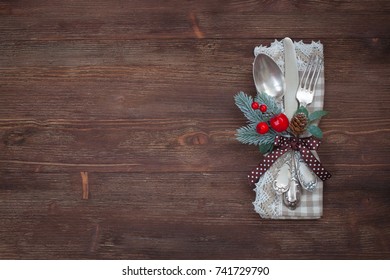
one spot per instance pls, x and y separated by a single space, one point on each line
292 197
291 77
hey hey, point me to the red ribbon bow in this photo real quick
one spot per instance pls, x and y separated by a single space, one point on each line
283 144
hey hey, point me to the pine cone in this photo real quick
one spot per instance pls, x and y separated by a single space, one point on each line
298 123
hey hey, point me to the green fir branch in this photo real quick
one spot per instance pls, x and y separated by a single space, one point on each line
244 103
248 135
266 148
272 105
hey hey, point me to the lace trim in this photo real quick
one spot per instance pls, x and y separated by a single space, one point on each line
268 203
303 51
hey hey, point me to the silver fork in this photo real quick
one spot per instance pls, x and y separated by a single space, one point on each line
305 94
302 175
309 80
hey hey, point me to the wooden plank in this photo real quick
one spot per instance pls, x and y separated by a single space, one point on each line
178 52
103 7
194 215
166 145
135 80
57 20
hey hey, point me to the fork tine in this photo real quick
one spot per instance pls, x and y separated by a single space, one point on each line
316 73
306 73
309 79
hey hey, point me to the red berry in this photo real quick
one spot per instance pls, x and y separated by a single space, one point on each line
263 108
262 128
255 105
279 122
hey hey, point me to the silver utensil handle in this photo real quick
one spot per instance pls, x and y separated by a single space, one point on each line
306 176
292 197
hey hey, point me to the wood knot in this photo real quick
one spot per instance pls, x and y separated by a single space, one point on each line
379 47
195 138
338 138
15 137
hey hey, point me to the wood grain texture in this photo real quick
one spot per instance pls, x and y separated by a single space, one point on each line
55 20
139 96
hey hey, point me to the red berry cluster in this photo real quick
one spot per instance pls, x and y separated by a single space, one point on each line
278 122
257 106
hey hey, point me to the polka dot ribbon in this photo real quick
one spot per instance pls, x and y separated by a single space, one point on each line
284 144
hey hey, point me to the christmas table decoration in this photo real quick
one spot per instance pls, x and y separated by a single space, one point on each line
288 145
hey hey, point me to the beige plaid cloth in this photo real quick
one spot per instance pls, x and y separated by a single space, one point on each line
311 205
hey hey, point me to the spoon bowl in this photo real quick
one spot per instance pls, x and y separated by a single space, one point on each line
268 77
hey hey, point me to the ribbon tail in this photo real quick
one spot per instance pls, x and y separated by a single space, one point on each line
314 164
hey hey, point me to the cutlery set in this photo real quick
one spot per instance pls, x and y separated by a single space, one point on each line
294 174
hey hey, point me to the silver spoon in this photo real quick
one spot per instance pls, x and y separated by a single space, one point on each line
268 77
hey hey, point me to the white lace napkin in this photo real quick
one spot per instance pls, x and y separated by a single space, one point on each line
269 204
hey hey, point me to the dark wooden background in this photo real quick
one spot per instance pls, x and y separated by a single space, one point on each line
137 98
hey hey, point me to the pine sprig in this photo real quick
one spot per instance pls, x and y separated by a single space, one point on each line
272 106
248 135
244 103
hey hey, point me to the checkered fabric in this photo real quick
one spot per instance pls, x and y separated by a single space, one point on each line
311 206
